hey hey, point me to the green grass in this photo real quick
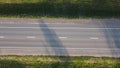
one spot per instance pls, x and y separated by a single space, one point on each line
20 1
57 62
60 8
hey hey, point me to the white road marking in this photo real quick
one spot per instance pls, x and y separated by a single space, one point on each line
32 37
63 48
62 37
94 38
2 37
60 27
32 23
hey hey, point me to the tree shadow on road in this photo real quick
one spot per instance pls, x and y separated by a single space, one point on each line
53 41
112 35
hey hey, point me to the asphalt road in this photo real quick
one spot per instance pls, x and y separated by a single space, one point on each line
100 38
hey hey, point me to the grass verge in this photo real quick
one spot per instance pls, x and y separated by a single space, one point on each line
60 8
57 62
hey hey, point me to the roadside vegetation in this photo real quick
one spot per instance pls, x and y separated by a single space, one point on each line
60 8
57 62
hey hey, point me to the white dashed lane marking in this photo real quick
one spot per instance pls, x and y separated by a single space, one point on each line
63 37
2 37
94 38
32 37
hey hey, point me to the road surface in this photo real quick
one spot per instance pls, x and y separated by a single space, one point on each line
96 38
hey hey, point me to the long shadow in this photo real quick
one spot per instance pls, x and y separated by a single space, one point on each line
112 36
52 39
55 43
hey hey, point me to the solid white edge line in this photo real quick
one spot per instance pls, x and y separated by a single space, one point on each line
19 22
65 48
60 27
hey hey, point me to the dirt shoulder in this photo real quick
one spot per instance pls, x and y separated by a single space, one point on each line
54 20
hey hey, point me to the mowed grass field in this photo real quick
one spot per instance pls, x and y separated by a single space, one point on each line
60 8
57 62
